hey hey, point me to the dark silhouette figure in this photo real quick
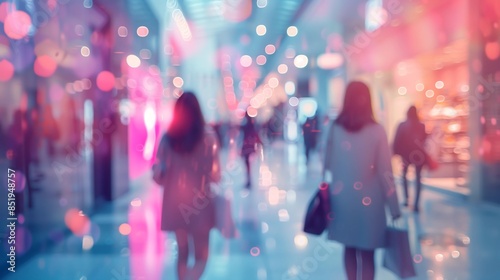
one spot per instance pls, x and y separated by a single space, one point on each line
358 159
251 140
409 144
19 159
190 153
310 129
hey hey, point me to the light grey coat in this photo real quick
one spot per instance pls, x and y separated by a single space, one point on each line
361 187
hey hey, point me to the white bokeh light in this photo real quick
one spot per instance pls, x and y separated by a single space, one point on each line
300 61
292 31
245 61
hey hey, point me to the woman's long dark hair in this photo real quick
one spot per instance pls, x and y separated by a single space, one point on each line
187 126
357 110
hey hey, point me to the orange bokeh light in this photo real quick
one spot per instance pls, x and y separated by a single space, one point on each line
492 50
6 70
77 222
17 24
125 229
105 81
45 66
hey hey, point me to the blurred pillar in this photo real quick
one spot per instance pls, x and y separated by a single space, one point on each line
484 128
322 94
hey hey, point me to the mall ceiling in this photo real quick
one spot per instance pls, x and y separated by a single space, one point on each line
233 23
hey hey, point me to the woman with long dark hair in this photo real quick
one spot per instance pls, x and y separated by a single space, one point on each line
189 152
358 160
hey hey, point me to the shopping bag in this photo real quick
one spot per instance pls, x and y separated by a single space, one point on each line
397 255
316 220
432 163
223 216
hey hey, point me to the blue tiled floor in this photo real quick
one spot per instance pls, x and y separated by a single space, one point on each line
450 238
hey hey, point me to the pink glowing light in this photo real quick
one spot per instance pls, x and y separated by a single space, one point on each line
45 66
492 50
105 81
6 70
17 25
255 251
4 10
367 201
142 31
417 258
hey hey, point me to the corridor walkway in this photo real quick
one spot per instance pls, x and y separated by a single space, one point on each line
450 238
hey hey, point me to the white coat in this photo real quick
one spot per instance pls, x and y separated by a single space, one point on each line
362 185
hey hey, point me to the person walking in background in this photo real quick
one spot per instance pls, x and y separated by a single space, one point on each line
190 154
409 144
251 140
358 165
310 129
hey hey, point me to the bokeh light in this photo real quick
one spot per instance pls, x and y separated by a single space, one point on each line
17 24
105 81
402 91
419 87
273 82
45 66
142 31
255 251
6 70
300 241
261 59
429 93
293 101
439 84
122 31
77 222
261 30
245 60
300 61
270 49
282 69
133 61
492 50
124 229
290 88
367 201
4 10
136 202
292 31
178 82
418 258
330 60
87 242
261 3
85 51
252 112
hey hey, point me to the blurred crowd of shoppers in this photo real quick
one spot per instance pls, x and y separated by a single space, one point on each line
357 167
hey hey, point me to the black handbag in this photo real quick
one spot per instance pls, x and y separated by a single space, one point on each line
318 211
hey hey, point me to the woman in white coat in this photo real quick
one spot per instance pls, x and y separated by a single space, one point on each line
358 162
189 152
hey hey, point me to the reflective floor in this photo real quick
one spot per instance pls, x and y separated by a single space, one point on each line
450 238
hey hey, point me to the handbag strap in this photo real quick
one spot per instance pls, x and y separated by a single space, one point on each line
329 148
